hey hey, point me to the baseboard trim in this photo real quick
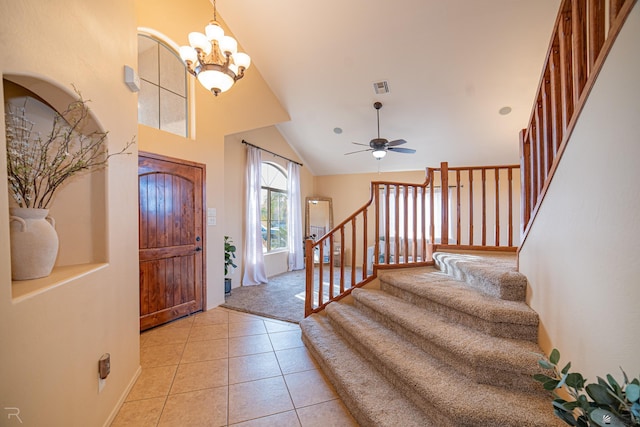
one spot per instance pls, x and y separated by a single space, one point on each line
116 409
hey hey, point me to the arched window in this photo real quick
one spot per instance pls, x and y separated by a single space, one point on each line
162 100
273 207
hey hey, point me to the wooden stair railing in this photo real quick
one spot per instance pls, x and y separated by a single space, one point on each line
583 35
402 224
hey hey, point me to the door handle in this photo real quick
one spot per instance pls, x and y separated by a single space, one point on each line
198 248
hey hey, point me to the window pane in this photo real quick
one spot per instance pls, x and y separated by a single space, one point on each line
173 113
264 217
273 177
148 105
148 59
172 72
278 220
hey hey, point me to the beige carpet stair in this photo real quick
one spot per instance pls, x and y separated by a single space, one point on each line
428 349
454 300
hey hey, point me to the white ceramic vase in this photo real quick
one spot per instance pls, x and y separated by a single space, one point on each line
34 243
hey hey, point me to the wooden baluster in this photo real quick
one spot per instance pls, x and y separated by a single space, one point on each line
396 243
556 96
470 207
405 231
423 228
525 180
444 198
484 207
534 167
579 46
596 30
331 266
510 178
539 144
387 230
458 231
566 72
432 226
308 300
342 259
320 274
353 251
376 247
547 126
364 244
415 224
496 171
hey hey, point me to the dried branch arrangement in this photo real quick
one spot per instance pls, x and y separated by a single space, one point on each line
37 167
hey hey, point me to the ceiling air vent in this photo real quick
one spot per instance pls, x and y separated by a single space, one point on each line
381 87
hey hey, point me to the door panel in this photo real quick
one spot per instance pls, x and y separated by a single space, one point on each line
171 239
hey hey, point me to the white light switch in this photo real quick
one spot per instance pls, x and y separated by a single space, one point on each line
211 216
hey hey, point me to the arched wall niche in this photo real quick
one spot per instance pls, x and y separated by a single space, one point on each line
79 207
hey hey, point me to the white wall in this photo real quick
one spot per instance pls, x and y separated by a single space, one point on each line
581 255
50 343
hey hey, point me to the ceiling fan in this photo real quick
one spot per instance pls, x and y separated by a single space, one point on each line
380 146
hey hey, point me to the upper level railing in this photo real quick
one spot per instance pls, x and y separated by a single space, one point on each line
403 223
582 37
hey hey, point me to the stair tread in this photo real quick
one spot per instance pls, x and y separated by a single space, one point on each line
469 344
455 397
495 275
431 283
367 391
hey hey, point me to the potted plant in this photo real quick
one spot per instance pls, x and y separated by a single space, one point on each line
37 167
606 403
229 256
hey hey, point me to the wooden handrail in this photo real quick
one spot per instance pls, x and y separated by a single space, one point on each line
579 45
393 229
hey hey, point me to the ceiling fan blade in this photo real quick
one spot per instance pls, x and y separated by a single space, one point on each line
359 151
402 150
357 143
397 142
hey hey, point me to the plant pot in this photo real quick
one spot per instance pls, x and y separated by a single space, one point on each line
34 243
227 285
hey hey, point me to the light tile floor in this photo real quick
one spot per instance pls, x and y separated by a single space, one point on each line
227 368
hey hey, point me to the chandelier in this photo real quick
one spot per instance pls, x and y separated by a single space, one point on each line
214 58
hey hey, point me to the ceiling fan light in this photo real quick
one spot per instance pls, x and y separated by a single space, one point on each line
379 154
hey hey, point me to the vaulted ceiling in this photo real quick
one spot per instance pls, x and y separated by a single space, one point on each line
451 66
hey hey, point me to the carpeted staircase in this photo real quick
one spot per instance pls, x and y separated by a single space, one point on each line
451 345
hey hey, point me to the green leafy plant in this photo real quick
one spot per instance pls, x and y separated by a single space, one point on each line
229 255
606 403
38 166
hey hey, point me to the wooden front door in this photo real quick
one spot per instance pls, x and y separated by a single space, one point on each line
171 240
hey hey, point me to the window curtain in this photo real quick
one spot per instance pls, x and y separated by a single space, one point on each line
294 218
254 269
